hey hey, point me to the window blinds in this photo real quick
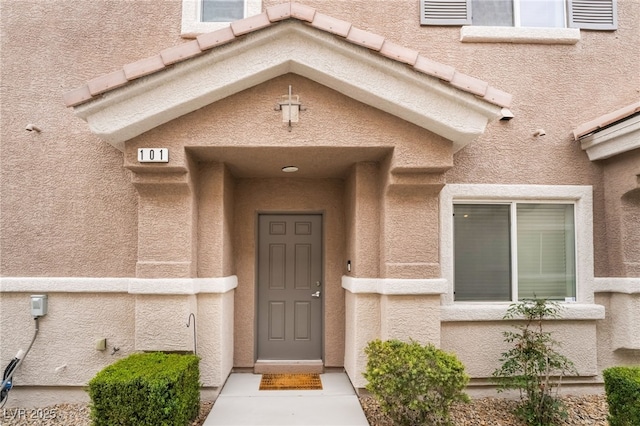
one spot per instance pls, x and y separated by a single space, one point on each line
541 257
482 252
546 251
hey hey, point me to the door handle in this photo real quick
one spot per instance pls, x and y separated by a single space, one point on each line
316 294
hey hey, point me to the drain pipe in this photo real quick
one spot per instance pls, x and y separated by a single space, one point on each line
7 377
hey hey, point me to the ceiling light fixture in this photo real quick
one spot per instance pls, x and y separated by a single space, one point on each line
289 169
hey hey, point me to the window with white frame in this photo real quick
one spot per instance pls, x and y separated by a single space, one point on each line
202 16
515 242
514 251
584 14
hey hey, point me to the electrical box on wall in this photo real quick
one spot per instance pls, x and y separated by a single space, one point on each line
39 305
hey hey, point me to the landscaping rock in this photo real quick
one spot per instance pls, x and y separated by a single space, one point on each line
584 410
587 410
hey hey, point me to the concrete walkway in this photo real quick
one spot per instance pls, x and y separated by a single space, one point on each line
241 403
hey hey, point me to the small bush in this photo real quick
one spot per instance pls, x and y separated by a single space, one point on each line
533 365
147 389
414 384
622 385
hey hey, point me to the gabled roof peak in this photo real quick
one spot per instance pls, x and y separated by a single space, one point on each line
95 87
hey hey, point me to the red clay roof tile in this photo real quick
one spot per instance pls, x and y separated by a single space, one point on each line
302 12
470 84
279 12
107 82
399 53
77 96
180 52
365 38
331 25
436 69
250 24
143 67
215 38
498 97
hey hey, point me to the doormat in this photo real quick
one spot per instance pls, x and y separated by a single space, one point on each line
290 382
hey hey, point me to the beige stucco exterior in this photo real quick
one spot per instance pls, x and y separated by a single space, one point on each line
127 251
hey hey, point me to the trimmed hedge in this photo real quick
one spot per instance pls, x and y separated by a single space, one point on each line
414 384
622 385
147 389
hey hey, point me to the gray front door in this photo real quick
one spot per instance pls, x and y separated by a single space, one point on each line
290 287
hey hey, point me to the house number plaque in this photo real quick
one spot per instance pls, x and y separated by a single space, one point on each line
153 155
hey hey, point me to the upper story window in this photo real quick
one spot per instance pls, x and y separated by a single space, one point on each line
222 10
584 14
514 251
203 16
519 13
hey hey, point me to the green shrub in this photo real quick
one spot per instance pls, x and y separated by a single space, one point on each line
147 389
532 365
622 385
414 384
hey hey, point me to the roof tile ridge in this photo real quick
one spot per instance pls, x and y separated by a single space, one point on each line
184 51
407 55
274 14
250 24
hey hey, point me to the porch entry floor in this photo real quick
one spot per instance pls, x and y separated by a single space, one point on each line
241 402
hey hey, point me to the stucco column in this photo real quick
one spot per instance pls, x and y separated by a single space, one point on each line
362 324
399 299
216 188
362 216
166 225
410 235
167 250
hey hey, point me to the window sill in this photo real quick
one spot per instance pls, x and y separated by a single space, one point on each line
495 312
480 34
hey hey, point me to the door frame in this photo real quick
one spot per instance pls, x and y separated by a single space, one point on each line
259 213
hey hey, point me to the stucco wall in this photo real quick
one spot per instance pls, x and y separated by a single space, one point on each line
67 336
64 352
480 344
68 208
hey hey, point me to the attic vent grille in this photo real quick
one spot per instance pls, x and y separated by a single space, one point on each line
444 12
593 14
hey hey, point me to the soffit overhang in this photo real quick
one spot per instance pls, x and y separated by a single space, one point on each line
611 134
290 46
